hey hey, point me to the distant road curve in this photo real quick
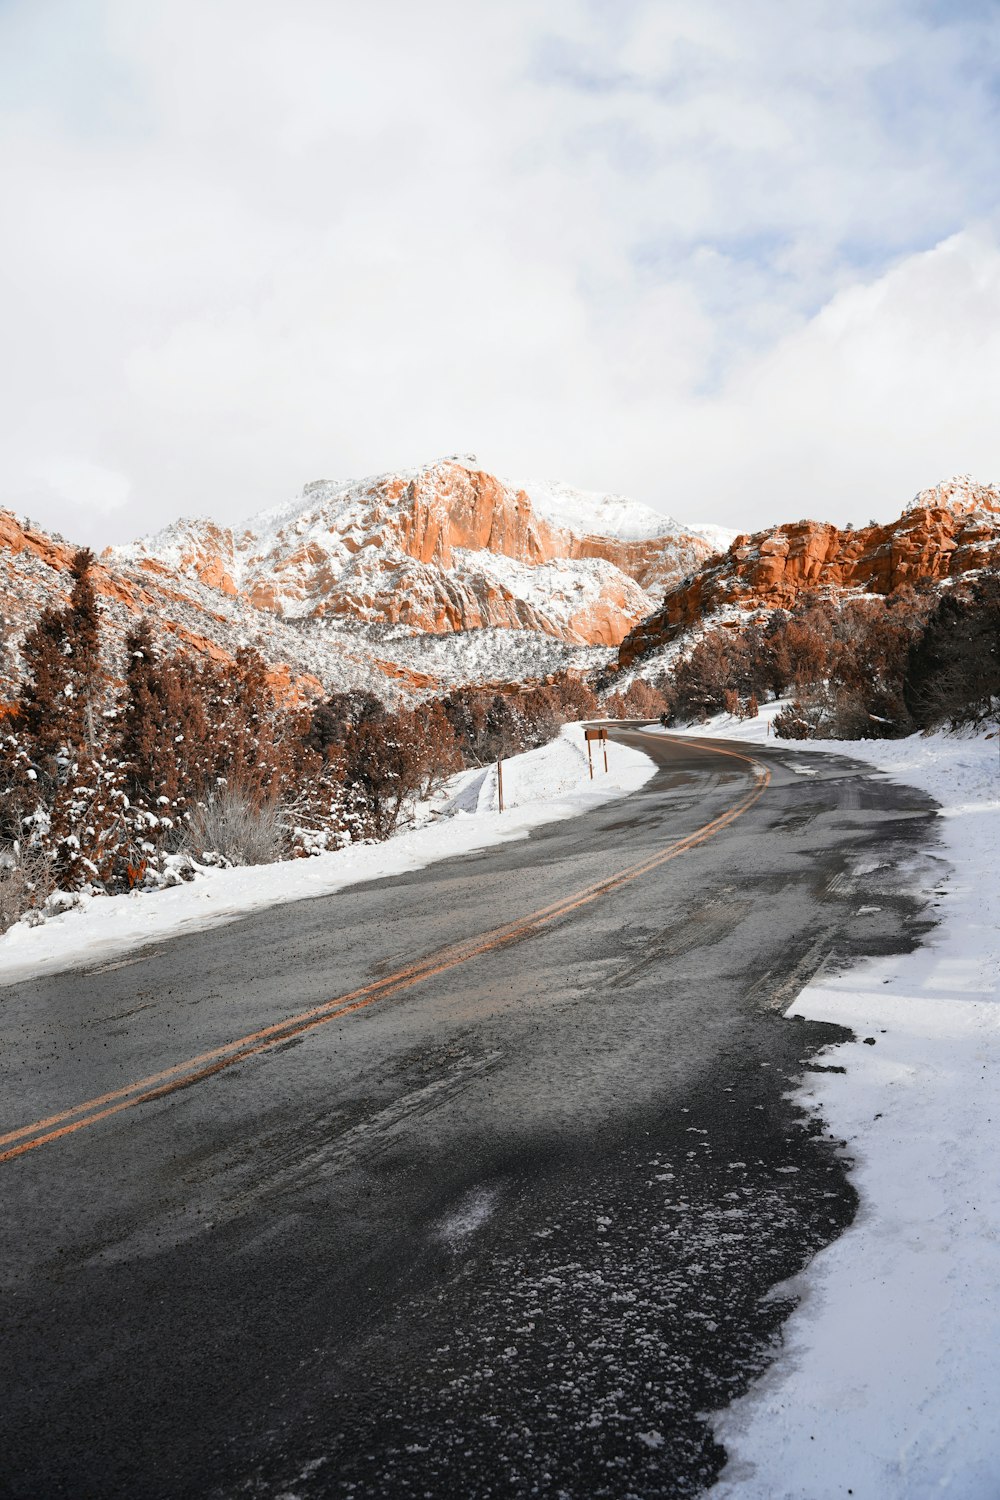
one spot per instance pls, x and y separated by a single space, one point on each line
468 1181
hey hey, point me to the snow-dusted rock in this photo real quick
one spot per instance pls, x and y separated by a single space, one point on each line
340 586
947 531
444 547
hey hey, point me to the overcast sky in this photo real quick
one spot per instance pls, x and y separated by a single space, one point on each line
736 258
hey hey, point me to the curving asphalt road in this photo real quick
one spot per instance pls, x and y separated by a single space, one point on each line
469 1182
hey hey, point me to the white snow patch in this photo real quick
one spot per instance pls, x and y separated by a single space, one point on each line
539 787
888 1378
590 513
719 537
471 1214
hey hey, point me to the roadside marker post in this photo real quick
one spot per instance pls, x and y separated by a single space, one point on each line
602 736
500 783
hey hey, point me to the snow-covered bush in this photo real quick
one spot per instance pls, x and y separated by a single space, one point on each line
26 878
235 826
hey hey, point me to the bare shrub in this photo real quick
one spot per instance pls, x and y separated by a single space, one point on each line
576 698
643 701
25 883
803 719
232 824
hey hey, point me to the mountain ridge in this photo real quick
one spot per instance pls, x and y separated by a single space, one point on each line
947 531
399 583
446 546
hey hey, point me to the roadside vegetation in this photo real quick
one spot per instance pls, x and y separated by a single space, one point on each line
640 700
118 775
865 668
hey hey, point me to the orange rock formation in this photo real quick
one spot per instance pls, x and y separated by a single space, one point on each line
947 531
449 547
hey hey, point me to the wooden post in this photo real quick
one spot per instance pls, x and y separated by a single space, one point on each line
590 759
500 783
604 744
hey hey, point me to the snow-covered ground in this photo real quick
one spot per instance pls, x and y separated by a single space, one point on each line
888 1383
539 787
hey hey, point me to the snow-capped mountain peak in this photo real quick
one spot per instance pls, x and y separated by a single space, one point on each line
443 547
592 513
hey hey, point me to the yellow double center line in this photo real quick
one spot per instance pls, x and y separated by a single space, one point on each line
194 1069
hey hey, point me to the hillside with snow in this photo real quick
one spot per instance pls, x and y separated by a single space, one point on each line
946 533
445 547
402 582
589 512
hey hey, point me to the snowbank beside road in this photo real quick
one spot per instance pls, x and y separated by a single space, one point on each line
539 787
887 1384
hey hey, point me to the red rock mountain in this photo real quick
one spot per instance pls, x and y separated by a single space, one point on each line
342 586
946 531
444 548
35 574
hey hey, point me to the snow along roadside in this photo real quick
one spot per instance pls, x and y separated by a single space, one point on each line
540 786
886 1386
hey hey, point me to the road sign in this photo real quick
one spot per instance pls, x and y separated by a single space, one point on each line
600 734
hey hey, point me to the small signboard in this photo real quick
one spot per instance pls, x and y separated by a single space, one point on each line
601 735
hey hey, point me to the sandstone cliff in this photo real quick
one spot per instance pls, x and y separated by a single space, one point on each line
447 547
946 531
34 575
333 587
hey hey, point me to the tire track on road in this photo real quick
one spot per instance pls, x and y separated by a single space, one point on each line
205 1065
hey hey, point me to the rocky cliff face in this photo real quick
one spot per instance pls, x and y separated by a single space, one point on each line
340 586
206 621
946 531
445 548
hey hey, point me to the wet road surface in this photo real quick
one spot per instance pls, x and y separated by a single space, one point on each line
494 1215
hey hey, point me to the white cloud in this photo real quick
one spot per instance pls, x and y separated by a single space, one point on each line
669 247
891 387
74 484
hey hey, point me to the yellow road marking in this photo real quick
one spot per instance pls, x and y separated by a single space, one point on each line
206 1064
